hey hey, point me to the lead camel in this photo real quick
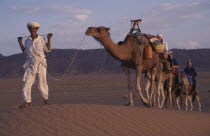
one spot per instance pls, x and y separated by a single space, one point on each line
130 53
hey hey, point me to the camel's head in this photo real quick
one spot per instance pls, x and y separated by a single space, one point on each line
98 32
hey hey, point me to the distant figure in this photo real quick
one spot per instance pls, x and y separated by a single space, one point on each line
191 74
166 63
34 48
174 64
160 38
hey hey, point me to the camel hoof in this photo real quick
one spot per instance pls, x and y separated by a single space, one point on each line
129 105
147 104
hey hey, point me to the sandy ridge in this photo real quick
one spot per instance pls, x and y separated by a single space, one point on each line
90 120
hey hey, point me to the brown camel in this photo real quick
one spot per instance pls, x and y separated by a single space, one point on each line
189 92
164 82
176 92
130 53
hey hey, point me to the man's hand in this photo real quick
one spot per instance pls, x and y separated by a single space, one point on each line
20 40
49 36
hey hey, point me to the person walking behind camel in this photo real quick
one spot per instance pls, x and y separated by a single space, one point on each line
34 48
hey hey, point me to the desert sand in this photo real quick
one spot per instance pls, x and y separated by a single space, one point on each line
92 105
99 120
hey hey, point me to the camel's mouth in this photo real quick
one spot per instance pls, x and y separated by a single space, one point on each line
90 32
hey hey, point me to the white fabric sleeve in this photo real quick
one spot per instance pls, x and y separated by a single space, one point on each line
166 45
45 45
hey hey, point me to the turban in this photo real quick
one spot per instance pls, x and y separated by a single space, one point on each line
160 35
189 61
170 52
33 24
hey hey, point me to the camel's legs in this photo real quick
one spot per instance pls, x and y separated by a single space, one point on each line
177 102
163 95
170 97
198 100
169 91
147 88
166 91
155 94
127 72
190 99
153 73
173 98
138 85
158 92
181 101
151 95
186 101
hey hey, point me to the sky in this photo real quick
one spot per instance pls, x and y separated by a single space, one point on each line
184 24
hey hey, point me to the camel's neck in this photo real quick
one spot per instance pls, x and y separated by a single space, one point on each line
122 52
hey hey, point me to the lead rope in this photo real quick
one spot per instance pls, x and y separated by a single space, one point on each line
30 36
69 64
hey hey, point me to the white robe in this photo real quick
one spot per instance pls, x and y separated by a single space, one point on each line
35 63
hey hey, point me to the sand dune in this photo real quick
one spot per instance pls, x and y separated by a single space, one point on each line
90 105
99 120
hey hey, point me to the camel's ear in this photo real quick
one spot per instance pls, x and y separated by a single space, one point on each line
107 29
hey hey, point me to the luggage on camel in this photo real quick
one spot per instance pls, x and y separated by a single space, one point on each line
148 52
156 45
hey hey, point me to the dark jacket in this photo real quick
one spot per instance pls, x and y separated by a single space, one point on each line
173 62
191 71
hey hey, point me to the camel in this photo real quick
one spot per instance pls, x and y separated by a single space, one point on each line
176 92
189 92
130 54
164 83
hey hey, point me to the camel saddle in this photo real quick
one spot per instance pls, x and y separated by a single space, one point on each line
184 79
157 46
175 71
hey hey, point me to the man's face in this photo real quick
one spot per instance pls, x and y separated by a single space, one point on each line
159 38
33 30
165 56
171 55
189 64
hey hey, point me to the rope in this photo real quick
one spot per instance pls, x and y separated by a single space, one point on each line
69 64
30 36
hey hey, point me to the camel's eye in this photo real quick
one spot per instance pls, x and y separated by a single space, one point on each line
99 30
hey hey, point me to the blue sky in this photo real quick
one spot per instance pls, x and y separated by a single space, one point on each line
184 24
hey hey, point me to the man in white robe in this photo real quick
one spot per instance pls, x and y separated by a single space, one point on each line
160 38
34 48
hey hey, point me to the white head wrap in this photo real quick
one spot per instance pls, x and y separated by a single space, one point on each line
170 52
33 24
160 35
